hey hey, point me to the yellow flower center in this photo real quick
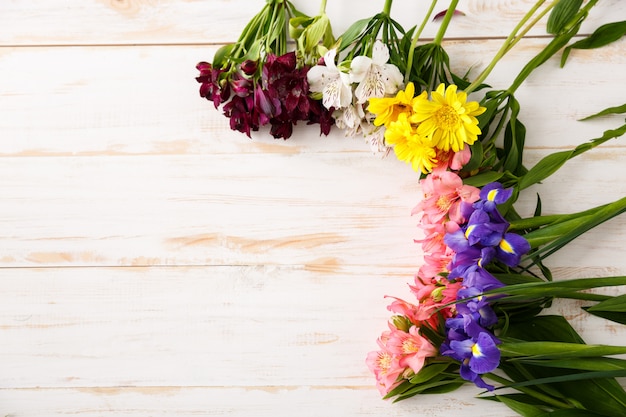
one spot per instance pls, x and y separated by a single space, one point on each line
476 350
447 117
444 203
506 246
408 346
384 361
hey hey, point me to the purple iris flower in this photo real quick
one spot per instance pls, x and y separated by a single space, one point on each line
478 355
511 248
477 306
493 193
481 229
469 266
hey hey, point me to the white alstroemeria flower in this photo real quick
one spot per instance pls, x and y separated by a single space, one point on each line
376 78
376 140
332 83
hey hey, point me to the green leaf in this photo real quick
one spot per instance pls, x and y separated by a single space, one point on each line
353 32
580 376
552 288
522 408
432 388
483 178
610 110
560 350
614 304
615 317
544 328
428 372
602 36
571 412
584 224
551 163
220 58
297 25
514 138
562 14
583 364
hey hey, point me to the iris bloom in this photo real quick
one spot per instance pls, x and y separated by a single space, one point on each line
332 83
511 248
491 195
481 229
469 265
448 120
477 355
375 77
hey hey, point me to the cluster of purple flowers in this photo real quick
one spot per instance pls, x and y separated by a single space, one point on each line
275 92
483 239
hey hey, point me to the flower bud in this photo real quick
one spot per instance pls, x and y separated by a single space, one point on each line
249 67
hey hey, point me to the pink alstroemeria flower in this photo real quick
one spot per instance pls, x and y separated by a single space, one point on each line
412 348
444 193
385 365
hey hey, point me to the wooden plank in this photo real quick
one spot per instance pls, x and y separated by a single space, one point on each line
130 22
88 104
234 401
247 327
316 209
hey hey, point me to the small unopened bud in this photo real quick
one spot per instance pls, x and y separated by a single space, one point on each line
249 67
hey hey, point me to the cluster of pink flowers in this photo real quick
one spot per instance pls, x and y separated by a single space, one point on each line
403 349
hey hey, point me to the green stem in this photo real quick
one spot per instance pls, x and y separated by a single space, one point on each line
445 22
538 221
387 8
528 391
418 33
510 41
323 7
554 46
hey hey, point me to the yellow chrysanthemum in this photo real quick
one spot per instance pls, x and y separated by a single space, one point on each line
387 109
447 119
409 145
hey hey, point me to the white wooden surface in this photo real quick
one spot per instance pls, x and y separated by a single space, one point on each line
152 262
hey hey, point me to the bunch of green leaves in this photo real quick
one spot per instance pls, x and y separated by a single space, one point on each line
265 33
359 38
313 35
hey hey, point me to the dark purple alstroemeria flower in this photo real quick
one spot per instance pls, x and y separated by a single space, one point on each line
266 105
288 84
242 116
241 85
211 86
249 67
320 114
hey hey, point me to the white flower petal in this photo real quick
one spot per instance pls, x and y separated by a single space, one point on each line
393 79
380 53
319 76
359 67
329 59
371 86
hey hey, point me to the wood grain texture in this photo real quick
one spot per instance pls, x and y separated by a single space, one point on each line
153 262
131 22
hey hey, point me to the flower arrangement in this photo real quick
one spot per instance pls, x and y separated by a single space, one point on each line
483 284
